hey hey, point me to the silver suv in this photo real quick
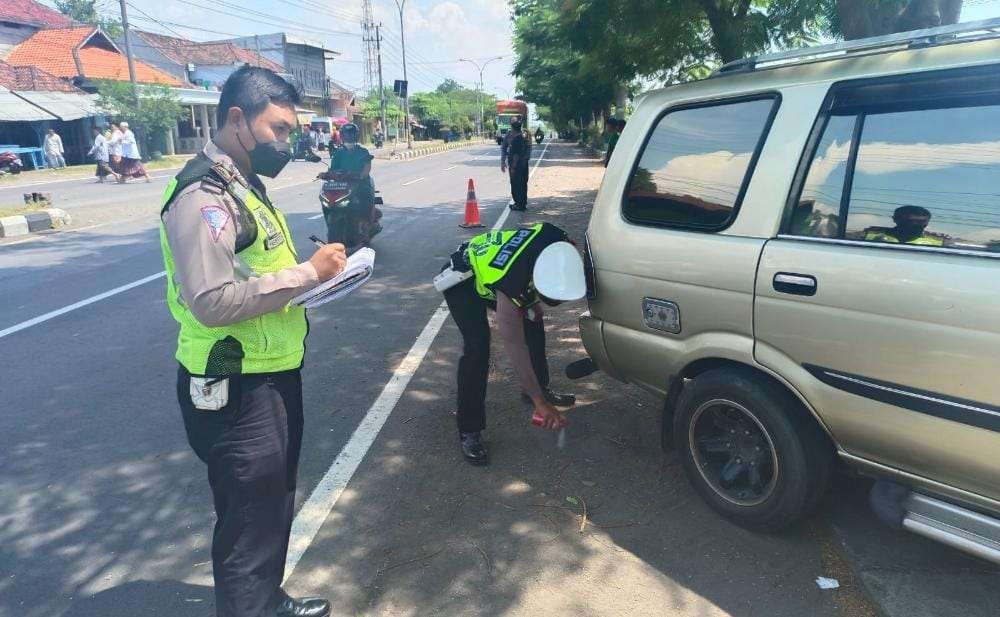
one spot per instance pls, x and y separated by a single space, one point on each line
801 254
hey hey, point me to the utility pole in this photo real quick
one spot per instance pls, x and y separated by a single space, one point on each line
128 54
368 36
479 90
381 88
406 100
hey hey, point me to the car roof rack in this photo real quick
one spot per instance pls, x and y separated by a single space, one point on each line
914 39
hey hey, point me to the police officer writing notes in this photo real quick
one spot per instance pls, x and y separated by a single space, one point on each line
512 272
231 272
515 153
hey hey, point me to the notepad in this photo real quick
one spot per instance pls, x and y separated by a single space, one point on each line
357 272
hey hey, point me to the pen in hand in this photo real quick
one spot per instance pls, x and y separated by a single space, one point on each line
329 260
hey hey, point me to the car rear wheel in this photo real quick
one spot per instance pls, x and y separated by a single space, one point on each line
750 449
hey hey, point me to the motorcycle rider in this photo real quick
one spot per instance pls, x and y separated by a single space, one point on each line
356 161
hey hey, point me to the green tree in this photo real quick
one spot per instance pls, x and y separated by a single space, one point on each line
85 11
157 111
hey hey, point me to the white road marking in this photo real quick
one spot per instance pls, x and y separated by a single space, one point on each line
314 217
411 182
324 497
450 168
82 303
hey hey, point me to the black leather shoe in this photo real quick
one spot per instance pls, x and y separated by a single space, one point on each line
554 398
473 448
303 607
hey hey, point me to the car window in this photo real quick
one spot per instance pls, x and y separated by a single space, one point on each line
929 177
817 212
695 164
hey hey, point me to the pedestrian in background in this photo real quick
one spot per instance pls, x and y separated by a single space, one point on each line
99 152
131 163
54 150
514 156
336 139
115 148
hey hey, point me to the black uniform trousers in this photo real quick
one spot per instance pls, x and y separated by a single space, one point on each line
519 184
468 309
251 448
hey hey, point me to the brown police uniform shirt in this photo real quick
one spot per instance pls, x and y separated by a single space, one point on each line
213 282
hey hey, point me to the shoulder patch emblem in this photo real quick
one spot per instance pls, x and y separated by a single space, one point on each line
216 218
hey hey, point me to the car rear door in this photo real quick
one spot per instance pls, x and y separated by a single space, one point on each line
880 300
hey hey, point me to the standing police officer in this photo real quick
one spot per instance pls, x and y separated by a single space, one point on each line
231 272
510 272
515 153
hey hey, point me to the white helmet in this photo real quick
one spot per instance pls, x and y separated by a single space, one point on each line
558 273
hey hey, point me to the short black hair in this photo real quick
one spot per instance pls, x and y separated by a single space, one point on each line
251 88
914 210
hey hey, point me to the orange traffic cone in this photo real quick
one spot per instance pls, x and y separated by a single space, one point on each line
471 208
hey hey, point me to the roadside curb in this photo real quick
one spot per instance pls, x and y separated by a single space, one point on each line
40 220
418 152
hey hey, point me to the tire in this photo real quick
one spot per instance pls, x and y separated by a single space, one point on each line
750 450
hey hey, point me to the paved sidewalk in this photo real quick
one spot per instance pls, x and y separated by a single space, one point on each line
602 523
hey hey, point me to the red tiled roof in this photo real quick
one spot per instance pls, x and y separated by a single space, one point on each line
213 53
53 51
33 13
32 78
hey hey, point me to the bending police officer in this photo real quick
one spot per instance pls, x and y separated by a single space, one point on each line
231 272
511 272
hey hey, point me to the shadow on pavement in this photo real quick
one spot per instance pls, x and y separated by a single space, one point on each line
153 598
604 524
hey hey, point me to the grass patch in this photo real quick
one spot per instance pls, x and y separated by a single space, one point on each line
21 209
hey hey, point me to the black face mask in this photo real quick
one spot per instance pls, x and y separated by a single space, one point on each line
267 158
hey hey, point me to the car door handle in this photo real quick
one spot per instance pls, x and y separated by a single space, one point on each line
798 284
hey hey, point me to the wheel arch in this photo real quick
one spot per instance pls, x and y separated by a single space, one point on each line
676 384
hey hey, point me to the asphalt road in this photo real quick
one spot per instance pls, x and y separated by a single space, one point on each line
98 487
105 512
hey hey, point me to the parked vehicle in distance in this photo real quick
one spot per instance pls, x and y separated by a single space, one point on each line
801 254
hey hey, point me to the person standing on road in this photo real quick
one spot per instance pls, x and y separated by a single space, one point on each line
99 152
131 166
232 270
54 150
115 148
514 156
511 272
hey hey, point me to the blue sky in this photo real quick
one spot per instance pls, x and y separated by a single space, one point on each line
438 32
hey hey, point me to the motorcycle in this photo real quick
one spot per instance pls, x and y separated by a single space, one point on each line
10 163
539 137
378 141
343 224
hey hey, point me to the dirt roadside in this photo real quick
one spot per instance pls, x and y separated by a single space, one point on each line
602 523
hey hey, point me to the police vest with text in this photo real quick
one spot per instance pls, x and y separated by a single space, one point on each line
269 343
492 254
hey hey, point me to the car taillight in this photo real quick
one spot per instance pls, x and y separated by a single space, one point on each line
588 270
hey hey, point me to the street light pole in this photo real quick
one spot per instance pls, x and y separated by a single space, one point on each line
406 100
479 90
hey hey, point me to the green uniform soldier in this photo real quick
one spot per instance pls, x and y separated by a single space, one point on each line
231 272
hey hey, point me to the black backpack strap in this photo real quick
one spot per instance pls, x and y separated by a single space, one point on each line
216 178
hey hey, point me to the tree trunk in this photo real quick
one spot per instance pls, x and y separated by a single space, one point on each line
859 19
726 33
621 98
